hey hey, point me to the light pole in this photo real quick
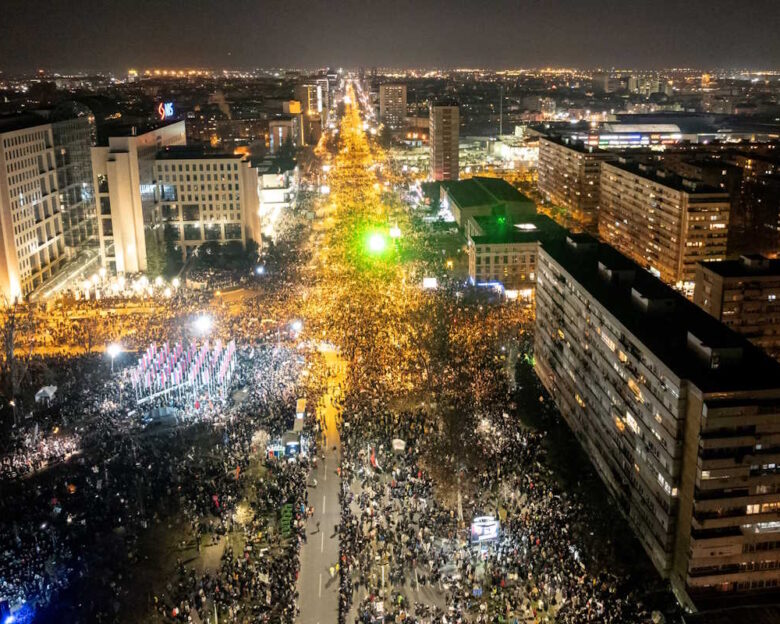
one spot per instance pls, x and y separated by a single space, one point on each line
203 324
113 350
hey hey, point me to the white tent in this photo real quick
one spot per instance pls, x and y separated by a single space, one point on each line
399 446
45 394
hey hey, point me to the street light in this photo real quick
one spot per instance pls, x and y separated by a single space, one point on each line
203 324
395 232
113 350
297 326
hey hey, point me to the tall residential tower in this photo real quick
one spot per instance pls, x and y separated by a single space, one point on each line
444 137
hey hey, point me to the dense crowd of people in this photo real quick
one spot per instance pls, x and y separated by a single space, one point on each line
102 503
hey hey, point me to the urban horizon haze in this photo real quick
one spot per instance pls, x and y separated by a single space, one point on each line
500 34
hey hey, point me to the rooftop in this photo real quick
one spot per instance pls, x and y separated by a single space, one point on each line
746 266
275 164
667 178
186 152
639 128
480 191
105 132
11 123
577 146
663 320
499 230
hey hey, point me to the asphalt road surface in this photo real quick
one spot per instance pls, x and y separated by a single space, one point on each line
318 591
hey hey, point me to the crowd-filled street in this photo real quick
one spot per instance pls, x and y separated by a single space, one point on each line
241 506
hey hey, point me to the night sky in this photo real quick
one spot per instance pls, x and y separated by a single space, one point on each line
118 34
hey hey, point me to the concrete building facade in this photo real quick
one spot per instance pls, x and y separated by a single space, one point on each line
504 252
33 245
679 415
125 183
392 105
206 197
661 221
743 294
570 177
444 137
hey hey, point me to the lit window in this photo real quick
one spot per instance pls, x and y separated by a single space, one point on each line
632 424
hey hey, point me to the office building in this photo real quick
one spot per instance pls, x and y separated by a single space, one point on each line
483 197
125 181
678 414
278 187
392 105
663 222
31 225
73 129
502 251
206 197
744 294
570 178
444 136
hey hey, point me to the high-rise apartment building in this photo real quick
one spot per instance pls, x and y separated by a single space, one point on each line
663 222
126 187
309 94
744 294
445 141
392 105
755 223
31 226
325 91
679 415
206 197
570 178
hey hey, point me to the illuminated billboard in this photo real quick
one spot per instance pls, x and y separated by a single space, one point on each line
165 110
484 529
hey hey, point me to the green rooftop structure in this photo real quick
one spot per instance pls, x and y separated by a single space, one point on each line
482 197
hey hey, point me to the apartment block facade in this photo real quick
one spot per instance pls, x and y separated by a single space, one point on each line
743 294
392 105
665 223
679 415
570 177
444 132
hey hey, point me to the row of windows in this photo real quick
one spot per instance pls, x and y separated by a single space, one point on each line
199 167
25 139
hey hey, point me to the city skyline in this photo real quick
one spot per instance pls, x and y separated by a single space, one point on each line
236 33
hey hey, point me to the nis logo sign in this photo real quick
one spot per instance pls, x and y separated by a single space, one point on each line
165 110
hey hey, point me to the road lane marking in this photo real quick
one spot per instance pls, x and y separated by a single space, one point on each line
320 590
322 542
322 513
